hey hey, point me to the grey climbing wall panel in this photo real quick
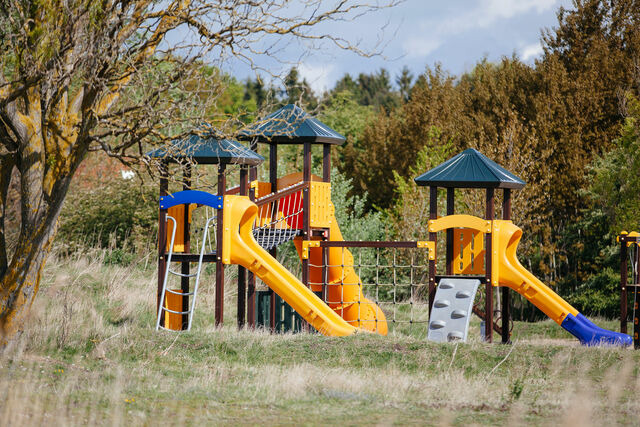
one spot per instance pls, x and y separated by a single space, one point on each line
452 308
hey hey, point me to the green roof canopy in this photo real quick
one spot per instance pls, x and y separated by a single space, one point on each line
291 125
470 169
207 149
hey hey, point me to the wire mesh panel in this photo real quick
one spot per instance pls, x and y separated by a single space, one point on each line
387 276
279 217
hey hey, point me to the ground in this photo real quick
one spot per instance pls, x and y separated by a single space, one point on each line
91 356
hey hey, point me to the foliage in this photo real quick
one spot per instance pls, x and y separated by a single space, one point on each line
117 213
371 89
615 182
355 223
342 112
410 213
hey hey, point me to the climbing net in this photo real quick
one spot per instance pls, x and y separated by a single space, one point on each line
393 277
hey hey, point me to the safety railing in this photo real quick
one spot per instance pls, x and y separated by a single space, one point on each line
279 217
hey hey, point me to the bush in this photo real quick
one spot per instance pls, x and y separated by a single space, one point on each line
118 214
600 295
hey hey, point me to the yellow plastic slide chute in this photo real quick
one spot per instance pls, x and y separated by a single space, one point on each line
239 247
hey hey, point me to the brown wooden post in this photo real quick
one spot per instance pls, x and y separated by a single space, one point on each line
506 296
326 177
242 272
636 301
488 304
450 210
433 237
162 235
219 308
306 212
251 283
273 179
623 285
184 268
326 162
306 228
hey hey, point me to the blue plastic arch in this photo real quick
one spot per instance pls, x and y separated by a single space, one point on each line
191 196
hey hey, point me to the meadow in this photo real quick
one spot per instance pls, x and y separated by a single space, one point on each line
90 356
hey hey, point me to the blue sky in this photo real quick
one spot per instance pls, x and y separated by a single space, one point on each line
417 33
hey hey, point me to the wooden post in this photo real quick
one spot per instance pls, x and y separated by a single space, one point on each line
306 228
326 162
219 308
636 300
623 285
506 296
242 272
251 283
273 179
326 177
162 235
306 212
488 304
433 237
450 210
184 268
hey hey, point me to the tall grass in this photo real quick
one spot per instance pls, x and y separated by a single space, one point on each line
90 355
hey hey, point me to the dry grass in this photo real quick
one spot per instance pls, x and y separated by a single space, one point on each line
90 356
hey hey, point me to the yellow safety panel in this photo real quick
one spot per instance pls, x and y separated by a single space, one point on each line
468 251
177 212
173 302
321 213
262 189
459 221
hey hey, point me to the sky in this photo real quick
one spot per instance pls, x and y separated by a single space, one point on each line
420 33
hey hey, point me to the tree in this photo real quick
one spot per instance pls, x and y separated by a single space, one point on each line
404 80
298 92
81 75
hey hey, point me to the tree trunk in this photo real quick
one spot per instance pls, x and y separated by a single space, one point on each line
21 280
43 187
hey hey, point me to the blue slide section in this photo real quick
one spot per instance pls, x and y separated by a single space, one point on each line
590 334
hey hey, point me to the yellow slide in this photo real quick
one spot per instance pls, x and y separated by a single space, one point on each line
512 274
239 247
344 288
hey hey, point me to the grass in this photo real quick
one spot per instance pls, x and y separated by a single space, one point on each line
90 355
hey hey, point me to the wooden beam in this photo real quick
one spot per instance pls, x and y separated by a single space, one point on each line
488 304
219 307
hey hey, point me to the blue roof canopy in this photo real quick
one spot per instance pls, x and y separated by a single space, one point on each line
470 169
207 149
291 125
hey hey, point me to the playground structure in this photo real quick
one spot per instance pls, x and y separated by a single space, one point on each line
330 296
630 257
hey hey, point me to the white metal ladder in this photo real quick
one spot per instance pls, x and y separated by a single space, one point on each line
192 301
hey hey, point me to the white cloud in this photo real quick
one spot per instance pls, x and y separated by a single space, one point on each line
420 46
484 15
317 75
531 51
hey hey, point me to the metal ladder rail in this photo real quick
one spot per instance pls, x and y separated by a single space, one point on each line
168 270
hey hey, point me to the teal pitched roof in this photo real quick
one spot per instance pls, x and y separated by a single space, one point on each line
207 149
470 169
290 125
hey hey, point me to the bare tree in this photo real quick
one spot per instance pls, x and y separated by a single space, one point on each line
117 76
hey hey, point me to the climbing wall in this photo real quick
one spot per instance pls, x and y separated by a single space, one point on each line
452 308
